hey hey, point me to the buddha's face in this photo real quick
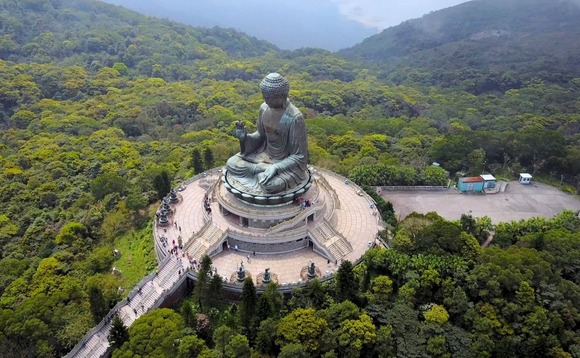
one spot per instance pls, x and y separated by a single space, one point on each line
274 101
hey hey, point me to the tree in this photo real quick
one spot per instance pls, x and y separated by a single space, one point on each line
356 336
445 238
188 314
384 346
72 233
436 314
153 334
162 184
196 161
118 334
382 288
266 337
346 282
99 307
191 346
214 290
313 295
238 347
208 158
337 313
247 309
476 161
203 277
436 346
480 228
203 327
221 337
302 326
294 350
108 183
406 331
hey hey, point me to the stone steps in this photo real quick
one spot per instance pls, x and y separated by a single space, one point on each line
211 236
326 231
214 235
334 252
97 346
344 245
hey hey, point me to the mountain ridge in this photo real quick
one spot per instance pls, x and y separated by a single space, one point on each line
514 36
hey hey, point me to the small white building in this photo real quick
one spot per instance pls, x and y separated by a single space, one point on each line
525 178
488 181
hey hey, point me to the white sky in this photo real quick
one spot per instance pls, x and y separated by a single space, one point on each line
381 14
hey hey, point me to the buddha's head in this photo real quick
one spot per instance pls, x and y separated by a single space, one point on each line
275 89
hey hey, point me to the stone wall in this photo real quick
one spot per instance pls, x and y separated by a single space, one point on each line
267 248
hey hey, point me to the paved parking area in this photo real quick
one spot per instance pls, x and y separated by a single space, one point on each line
515 203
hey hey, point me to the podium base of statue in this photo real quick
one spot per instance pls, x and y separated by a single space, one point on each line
263 199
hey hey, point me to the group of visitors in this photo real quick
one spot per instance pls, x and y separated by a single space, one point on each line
303 202
207 204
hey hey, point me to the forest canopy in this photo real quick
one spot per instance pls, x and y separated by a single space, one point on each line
102 109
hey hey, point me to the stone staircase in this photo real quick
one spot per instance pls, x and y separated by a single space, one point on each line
98 346
326 232
290 223
166 277
213 235
340 247
209 237
330 240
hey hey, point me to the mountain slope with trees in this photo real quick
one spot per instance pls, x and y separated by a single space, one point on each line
480 46
42 30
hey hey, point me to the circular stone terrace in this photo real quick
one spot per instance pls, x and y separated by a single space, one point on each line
341 224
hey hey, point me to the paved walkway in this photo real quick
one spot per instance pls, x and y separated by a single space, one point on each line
515 203
354 218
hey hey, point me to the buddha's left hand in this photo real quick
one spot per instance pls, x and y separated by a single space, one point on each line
268 174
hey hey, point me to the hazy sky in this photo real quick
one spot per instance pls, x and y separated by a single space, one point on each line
291 24
381 14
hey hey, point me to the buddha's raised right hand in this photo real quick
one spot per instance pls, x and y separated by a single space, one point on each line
241 131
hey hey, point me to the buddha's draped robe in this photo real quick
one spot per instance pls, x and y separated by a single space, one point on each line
285 147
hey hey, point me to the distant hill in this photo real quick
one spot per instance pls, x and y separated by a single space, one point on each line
303 23
48 30
480 45
93 35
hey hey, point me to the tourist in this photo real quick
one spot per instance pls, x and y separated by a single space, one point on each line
248 257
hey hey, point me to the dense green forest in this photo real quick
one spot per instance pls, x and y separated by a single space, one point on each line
436 293
100 106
